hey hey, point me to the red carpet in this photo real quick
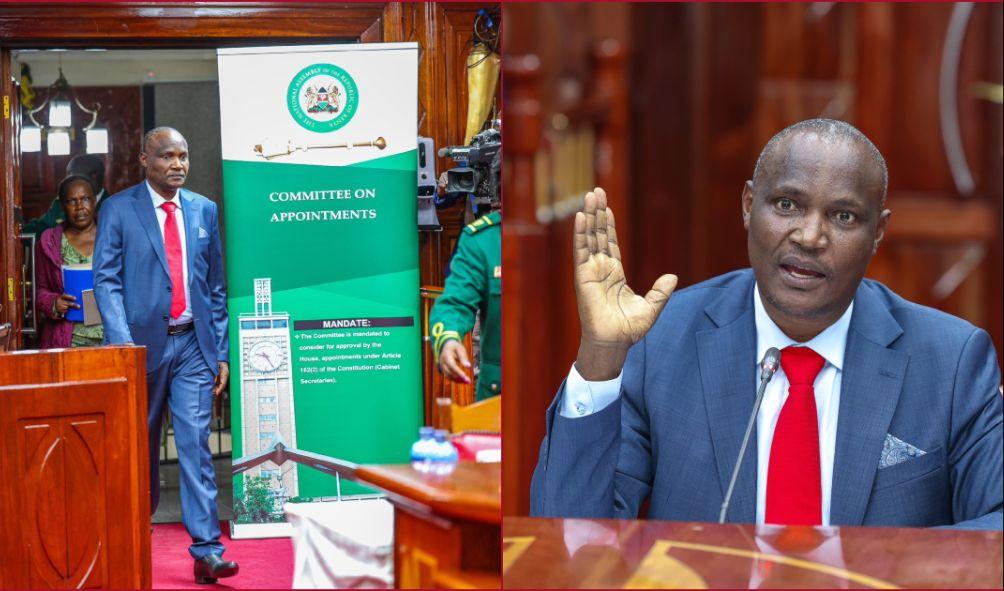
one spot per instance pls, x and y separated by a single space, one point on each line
265 564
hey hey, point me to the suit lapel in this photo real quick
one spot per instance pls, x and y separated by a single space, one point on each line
193 213
869 392
727 361
143 205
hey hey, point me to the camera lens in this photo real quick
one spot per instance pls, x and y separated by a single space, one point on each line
461 181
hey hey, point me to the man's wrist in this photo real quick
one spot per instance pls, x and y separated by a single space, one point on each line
599 362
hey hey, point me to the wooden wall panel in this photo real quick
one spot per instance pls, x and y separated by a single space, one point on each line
660 89
445 33
917 254
527 310
723 144
209 24
545 86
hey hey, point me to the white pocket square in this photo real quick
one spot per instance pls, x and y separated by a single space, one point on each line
203 233
895 451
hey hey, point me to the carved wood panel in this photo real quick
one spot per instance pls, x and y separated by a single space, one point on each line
457 39
65 457
75 494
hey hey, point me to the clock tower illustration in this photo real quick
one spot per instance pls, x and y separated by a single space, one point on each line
267 389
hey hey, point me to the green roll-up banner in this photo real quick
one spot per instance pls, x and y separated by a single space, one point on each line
319 168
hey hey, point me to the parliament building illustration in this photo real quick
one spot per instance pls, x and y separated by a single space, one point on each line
267 389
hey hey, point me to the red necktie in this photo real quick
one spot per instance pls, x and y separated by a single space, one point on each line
172 244
794 484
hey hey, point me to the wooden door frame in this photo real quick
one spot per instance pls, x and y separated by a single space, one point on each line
155 25
10 202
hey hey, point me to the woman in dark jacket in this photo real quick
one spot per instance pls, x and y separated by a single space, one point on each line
71 242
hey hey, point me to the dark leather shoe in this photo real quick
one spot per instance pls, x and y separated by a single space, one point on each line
211 567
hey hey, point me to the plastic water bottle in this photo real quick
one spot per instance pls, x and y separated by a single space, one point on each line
422 450
444 458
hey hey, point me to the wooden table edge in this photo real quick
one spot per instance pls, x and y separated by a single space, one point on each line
480 508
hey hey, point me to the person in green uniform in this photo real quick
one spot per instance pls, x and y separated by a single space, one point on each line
88 165
474 286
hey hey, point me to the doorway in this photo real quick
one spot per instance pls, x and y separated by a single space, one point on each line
120 93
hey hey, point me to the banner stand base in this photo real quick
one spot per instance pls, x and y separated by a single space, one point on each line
250 531
284 529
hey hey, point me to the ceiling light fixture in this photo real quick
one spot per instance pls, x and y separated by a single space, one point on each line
59 132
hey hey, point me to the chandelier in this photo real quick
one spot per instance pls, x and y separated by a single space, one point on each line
59 131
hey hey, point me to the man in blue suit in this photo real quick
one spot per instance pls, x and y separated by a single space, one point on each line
158 281
883 412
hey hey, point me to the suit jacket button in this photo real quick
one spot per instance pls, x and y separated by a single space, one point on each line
168 288
164 317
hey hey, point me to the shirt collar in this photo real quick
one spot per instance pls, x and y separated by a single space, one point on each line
830 343
158 200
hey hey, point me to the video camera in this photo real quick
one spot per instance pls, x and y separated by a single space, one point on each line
479 171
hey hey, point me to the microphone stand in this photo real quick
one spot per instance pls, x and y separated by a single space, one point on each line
767 368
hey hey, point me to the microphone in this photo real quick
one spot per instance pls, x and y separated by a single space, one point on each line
768 366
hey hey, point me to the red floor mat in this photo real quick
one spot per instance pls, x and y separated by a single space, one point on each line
265 564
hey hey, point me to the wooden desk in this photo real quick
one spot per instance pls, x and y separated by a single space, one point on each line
447 529
582 553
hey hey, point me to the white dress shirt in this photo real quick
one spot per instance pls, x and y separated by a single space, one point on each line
179 219
583 398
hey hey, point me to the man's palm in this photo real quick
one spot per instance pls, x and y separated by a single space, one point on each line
610 312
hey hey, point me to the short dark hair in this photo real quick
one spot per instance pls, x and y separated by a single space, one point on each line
148 136
64 185
89 165
829 128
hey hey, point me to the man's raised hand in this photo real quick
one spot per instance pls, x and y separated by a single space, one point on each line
612 316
